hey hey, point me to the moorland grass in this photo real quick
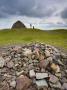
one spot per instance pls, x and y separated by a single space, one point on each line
57 38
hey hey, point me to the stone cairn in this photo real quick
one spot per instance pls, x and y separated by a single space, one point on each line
32 67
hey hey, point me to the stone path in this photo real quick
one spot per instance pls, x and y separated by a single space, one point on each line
32 67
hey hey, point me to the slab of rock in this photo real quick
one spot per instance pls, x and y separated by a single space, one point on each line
41 75
2 62
23 82
41 83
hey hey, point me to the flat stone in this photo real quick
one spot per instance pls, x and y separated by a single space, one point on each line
31 73
41 75
23 82
41 83
2 62
53 79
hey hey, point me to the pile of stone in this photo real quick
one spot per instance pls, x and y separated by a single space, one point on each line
32 67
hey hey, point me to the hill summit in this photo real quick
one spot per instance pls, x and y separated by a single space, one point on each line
18 24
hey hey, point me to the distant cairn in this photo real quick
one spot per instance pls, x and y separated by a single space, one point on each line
18 25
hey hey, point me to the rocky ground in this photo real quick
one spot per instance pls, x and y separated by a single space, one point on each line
32 67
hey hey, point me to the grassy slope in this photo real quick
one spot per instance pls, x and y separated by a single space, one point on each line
57 37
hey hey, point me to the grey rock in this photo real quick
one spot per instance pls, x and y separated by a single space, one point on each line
41 75
41 83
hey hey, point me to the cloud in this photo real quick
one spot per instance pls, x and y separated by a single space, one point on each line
31 8
41 12
64 13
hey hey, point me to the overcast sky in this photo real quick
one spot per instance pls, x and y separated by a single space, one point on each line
45 14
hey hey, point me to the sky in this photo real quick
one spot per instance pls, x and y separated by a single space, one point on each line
43 14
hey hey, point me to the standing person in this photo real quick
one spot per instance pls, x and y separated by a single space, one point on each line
30 25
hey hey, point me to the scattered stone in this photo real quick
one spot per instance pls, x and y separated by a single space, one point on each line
41 75
13 84
64 87
56 85
4 86
2 62
31 73
47 53
53 79
27 52
19 73
10 64
44 63
32 67
55 67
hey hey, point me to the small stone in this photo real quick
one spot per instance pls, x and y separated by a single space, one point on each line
64 87
2 62
55 68
41 75
10 64
58 74
5 86
31 73
17 48
53 79
23 82
47 53
63 55
43 63
19 73
13 84
27 52
41 83
56 85
49 59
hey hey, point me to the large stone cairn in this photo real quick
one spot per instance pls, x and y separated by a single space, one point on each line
18 25
32 67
